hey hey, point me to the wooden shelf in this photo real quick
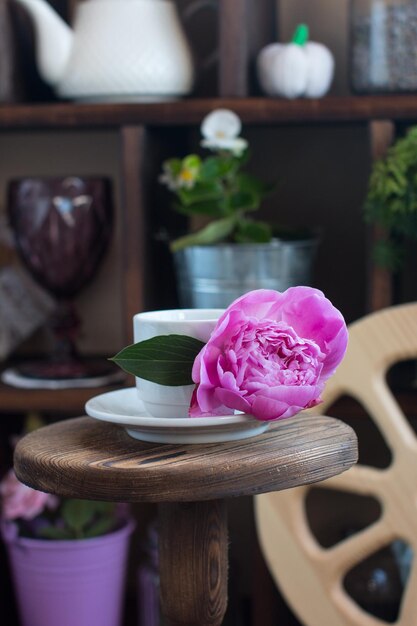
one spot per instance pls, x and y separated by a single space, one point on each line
255 111
65 401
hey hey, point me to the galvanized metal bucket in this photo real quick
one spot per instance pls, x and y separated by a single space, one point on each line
214 276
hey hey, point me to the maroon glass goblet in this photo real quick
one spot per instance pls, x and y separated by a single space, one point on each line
62 228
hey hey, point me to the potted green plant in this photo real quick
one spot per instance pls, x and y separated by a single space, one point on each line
67 557
232 253
391 201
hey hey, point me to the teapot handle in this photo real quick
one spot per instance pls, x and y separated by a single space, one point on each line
189 12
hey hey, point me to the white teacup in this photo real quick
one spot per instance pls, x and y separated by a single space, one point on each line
161 400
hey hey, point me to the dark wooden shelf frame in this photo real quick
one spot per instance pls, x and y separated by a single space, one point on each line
132 142
134 139
254 111
65 401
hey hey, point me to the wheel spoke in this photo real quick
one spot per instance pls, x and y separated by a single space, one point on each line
408 609
360 479
392 422
344 555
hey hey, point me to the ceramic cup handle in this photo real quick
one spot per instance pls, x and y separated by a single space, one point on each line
193 9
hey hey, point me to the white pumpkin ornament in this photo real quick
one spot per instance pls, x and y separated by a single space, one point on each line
300 68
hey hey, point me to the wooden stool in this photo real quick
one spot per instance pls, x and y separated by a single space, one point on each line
85 458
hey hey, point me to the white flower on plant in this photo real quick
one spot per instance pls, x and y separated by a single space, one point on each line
181 174
168 178
221 129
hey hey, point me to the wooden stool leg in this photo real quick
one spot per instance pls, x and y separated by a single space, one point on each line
193 562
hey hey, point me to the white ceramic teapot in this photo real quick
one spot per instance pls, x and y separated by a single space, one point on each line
119 50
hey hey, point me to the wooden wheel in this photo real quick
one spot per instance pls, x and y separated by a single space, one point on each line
310 576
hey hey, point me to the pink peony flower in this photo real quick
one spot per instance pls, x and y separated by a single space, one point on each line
20 501
269 355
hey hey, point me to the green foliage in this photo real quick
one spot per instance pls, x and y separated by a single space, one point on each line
165 359
217 231
252 232
80 519
392 199
217 188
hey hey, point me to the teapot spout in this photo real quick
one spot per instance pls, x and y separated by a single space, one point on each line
53 40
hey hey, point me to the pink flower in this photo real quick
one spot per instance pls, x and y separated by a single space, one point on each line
20 501
269 355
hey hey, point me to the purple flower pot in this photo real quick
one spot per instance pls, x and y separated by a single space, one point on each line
72 582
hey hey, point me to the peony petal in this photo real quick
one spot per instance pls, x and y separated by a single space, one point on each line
228 381
193 403
195 372
204 367
206 401
266 409
226 328
196 411
292 395
274 402
205 404
232 400
313 316
257 303
208 369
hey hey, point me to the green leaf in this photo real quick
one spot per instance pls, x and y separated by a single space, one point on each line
213 233
253 232
192 161
77 514
200 192
104 508
391 200
217 167
244 201
212 208
242 158
166 359
174 166
53 532
100 527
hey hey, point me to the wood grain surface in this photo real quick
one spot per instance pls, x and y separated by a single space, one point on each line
193 562
65 401
382 136
133 236
90 459
8 57
233 43
190 112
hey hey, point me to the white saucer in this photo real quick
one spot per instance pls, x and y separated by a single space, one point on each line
123 407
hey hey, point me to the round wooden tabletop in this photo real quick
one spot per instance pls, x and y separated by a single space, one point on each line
86 458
